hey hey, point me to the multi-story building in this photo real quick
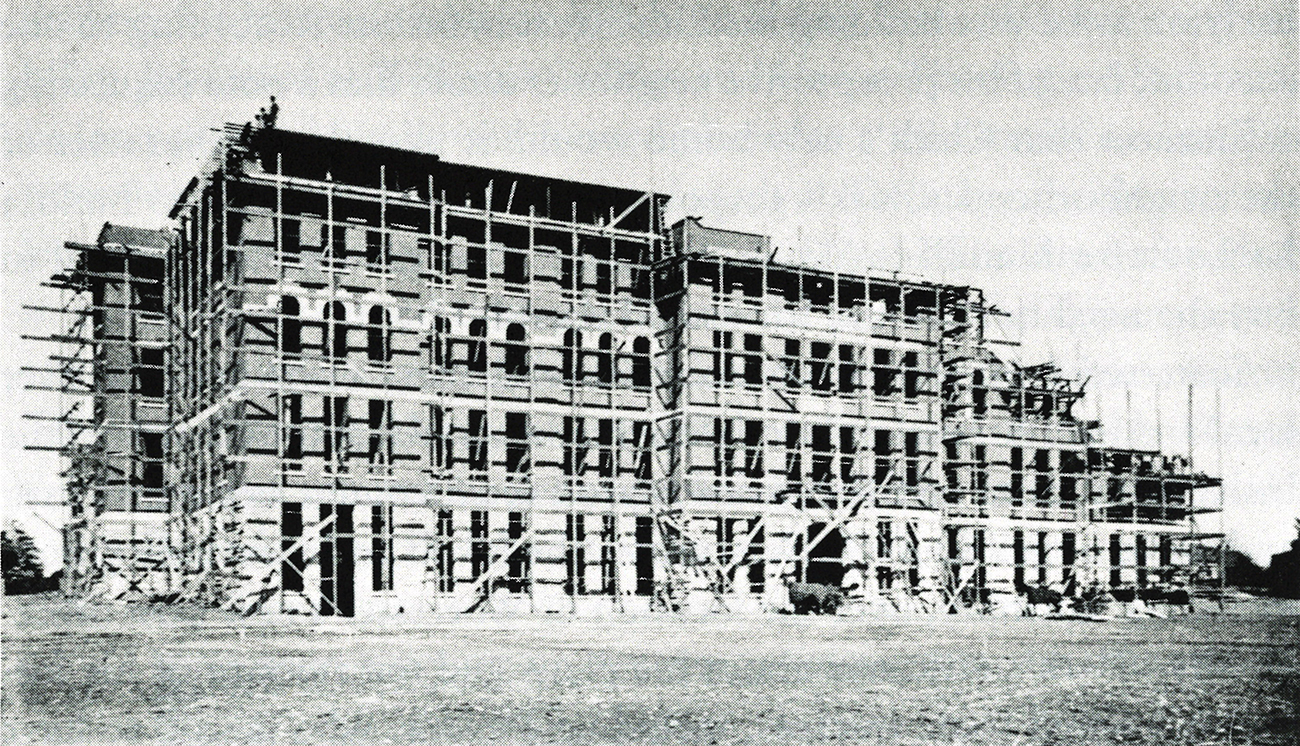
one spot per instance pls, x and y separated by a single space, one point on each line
399 384
110 367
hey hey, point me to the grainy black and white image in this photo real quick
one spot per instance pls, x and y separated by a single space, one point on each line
904 372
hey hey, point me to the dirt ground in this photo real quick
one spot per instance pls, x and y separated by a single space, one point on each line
101 674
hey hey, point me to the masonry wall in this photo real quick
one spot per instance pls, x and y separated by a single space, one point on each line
476 372
402 385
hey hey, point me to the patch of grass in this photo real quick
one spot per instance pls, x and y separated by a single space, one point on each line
86 674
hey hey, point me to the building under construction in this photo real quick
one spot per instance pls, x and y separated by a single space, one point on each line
354 379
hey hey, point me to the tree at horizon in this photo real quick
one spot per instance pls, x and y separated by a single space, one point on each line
21 562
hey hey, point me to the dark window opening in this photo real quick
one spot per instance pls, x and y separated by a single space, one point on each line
334 243
821 457
218 253
379 335
149 372
575 555
478 346
883 377
608 555
291 438
335 342
641 362
572 354
704 273
517 458
335 446
446 558
439 442
480 551
793 452
605 467
381 437
848 451
151 472
793 374
820 366
376 250
290 326
519 565
437 257
912 384
294 565
754 449
441 342
478 440
848 369
381 556
337 561
641 438
574 446
1067 561
148 298
605 359
753 364
1115 576
757 567
1140 559
645 566
291 239
819 291
1042 558
476 262
515 268
516 352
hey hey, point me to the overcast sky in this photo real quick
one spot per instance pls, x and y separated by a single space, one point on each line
1123 180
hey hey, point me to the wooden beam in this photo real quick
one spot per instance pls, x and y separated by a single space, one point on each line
495 568
628 211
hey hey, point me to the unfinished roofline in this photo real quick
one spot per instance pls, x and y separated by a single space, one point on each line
882 276
437 161
126 237
699 221
896 277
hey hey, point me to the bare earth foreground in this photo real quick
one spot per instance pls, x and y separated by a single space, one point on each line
100 674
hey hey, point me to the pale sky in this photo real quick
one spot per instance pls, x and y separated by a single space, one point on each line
1123 180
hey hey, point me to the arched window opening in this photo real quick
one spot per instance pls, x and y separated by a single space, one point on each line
478 346
335 342
516 351
605 359
290 326
379 335
641 362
